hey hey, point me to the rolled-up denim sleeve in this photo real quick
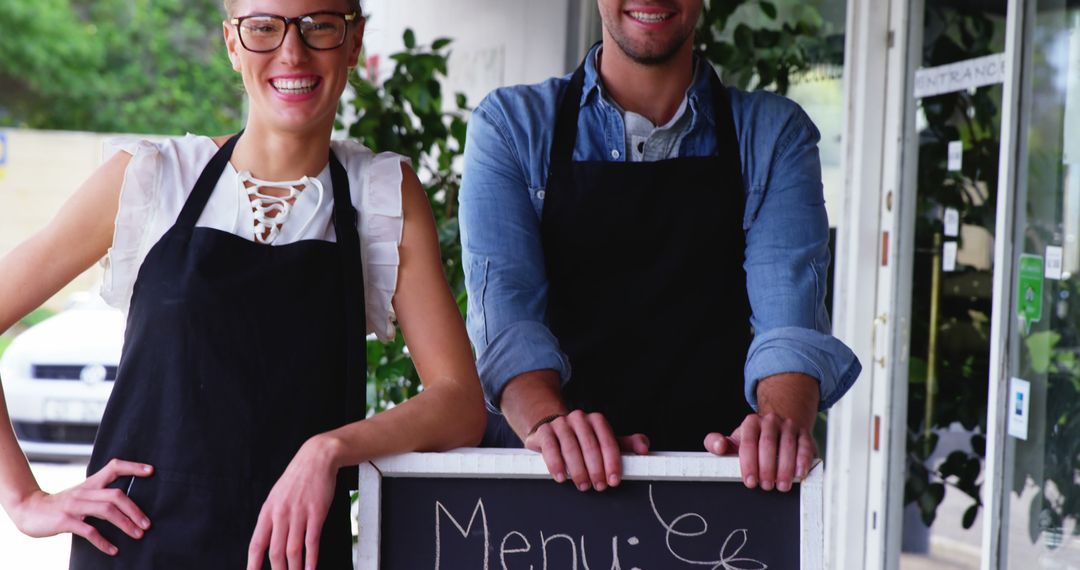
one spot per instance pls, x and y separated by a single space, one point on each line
787 260
503 260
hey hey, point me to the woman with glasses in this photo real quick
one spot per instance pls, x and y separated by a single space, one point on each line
252 268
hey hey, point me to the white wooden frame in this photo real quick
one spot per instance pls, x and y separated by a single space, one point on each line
876 70
521 464
997 473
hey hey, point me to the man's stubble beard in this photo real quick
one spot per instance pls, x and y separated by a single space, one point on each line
649 54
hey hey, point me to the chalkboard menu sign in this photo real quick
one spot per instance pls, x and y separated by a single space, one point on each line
499 510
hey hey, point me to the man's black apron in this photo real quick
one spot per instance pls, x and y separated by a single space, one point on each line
647 288
235 354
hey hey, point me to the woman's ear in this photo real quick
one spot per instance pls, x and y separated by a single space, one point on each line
232 44
357 35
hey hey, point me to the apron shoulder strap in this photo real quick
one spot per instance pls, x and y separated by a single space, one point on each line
566 124
204 186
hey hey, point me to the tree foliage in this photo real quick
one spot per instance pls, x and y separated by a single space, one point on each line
117 66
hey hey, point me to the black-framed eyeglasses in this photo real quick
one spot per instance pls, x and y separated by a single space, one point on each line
262 33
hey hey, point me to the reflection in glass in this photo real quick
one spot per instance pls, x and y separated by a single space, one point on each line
951 292
1044 503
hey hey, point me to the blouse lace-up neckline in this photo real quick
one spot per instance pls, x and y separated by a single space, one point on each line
271 212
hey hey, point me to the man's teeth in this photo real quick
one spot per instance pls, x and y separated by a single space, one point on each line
293 86
649 17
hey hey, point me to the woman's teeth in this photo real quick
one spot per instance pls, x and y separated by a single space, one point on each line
649 17
295 86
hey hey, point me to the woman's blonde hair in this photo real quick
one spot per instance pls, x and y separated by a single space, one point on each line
354 6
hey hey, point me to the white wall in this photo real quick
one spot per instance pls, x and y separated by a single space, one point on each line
496 42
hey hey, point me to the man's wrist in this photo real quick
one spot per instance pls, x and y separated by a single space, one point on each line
792 395
531 397
543 422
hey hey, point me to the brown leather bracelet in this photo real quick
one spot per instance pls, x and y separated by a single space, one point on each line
543 421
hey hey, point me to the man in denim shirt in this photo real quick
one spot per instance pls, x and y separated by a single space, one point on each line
638 240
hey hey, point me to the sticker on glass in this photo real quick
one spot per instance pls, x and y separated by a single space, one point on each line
1019 406
1055 256
956 156
1029 290
948 256
952 222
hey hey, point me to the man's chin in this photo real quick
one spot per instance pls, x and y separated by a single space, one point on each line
648 53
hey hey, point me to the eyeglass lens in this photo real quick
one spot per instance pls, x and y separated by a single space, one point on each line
266 33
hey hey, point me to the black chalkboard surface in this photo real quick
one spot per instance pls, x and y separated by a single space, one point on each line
498 510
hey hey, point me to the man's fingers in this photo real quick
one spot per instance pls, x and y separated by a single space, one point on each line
571 452
311 543
260 541
720 444
749 432
609 449
785 461
545 442
94 537
638 444
768 447
591 453
805 455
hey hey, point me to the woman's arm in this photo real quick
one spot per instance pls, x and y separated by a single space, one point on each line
448 413
78 236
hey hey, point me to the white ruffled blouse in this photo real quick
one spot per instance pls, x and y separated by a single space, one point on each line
160 177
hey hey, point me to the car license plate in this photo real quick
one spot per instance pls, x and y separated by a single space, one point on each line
73 411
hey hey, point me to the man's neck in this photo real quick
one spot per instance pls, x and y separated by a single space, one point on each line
653 91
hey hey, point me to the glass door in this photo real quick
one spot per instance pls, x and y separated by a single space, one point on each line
1041 408
946 280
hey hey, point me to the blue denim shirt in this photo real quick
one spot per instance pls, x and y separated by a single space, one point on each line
787 232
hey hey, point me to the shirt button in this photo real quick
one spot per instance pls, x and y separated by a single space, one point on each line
615 154
540 194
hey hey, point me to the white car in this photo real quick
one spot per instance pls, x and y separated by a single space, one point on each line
57 377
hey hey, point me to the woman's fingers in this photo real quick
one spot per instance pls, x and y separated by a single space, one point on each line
94 537
117 468
260 541
294 546
121 501
279 536
311 542
110 513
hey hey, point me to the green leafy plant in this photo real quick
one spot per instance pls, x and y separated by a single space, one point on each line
138 66
766 44
404 113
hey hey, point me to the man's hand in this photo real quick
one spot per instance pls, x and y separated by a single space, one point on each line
584 445
575 445
775 445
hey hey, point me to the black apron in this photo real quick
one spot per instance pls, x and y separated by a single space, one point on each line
235 354
647 289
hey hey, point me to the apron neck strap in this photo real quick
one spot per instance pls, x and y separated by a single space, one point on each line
352 270
200 194
566 125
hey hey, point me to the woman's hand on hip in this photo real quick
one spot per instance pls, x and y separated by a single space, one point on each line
42 514
291 520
